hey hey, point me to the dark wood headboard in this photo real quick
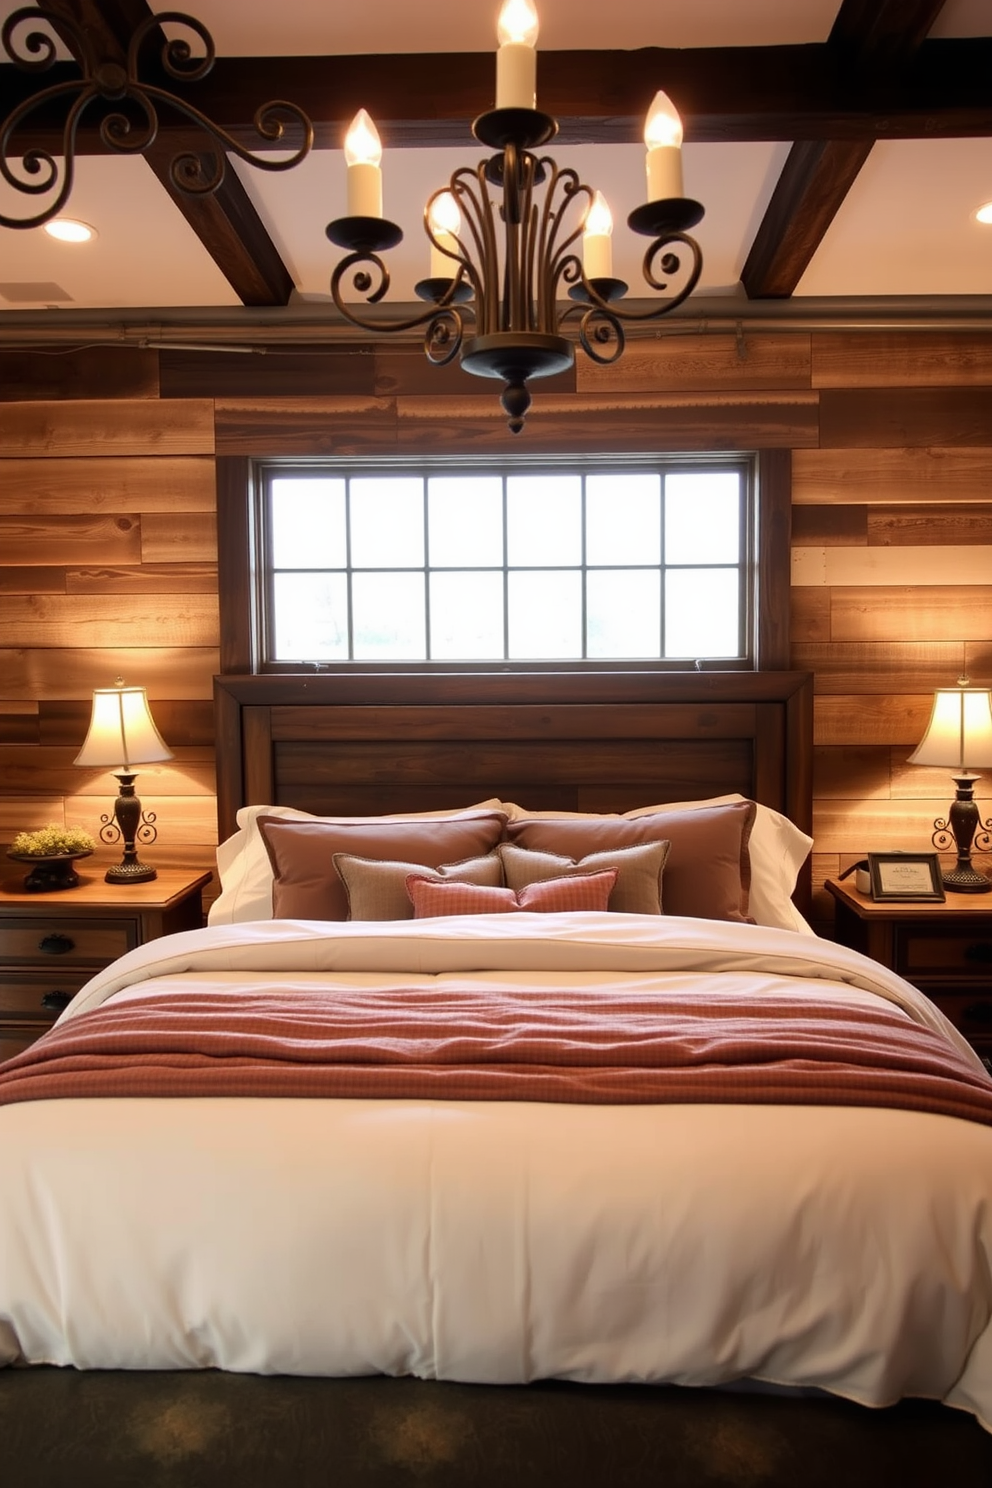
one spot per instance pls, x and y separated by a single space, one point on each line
362 742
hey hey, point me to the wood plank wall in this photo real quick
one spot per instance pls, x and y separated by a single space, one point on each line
108 547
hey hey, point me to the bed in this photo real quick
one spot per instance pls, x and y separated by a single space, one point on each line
514 1120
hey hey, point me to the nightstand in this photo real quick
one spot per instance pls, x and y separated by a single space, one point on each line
944 949
50 944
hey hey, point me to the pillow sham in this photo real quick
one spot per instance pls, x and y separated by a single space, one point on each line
376 890
777 850
639 870
707 871
579 891
307 886
245 869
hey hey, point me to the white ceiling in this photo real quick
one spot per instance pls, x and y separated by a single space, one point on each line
906 227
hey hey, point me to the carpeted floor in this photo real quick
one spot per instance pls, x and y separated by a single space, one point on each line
61 1429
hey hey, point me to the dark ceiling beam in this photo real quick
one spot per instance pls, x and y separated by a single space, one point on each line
225 220
723 94
874 43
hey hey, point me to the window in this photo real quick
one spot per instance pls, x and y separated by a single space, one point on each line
645 561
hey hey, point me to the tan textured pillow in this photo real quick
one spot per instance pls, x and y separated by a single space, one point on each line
377 890
707 872
307 886
639 870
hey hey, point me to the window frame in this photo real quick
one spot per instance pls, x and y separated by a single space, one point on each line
242 587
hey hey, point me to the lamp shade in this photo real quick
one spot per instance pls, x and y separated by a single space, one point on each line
959 734
122 731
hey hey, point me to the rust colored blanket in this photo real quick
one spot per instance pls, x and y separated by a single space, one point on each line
502 1043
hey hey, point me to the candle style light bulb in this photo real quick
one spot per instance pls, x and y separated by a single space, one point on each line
663 137
597 250
362 153
516 60
445 221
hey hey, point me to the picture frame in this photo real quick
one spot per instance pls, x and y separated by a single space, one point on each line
906 877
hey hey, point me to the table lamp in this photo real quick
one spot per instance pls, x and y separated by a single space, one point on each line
122 733
959 736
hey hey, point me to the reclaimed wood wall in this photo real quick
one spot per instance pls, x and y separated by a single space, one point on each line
108 554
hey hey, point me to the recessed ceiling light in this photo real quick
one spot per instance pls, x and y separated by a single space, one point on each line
69 231
984 214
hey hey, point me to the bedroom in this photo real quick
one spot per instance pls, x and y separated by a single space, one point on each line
110 550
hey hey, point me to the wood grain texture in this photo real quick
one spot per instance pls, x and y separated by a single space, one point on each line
888 566
870 719
949 525
930 475
149 578
28 813
316 371
101 427
809 610
49 768
902 418
858 826
913 613
100 620
878 359
831 526
846 771
168 538
33 581
702 363
305 426
879 666
74 671
70 539
117 371
66 487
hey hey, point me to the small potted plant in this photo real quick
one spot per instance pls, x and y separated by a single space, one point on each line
52 851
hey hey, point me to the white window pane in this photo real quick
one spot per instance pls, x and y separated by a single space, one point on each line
702 612
467 616
545 616
702 517
623 518
543 520
387 522
465 516
311 617
388 617
308 527
623 613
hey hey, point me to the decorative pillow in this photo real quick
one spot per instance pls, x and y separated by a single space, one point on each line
639 870
377 890
307 886
431 897
245 870
707 872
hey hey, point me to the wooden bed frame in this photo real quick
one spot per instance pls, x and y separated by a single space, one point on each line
357 743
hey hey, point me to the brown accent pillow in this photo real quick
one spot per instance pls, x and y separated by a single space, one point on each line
571 895
639 870
377 890
307 886
707 871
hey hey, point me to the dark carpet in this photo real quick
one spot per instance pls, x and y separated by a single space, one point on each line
63 1429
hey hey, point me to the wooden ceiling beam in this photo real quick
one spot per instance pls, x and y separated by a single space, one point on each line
225 220
874 43
723 94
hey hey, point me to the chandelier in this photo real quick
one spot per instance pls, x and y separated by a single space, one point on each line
131 126
502 233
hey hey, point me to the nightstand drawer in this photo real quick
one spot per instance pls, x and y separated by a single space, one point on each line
65 942
24 996
925 952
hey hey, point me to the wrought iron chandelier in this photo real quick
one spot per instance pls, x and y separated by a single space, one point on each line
108 80
501 236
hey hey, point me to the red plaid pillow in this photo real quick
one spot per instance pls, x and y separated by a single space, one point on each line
432 897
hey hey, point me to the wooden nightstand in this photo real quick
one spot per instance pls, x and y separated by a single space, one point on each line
50 944
944 949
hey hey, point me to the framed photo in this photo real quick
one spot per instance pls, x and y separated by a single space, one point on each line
912 877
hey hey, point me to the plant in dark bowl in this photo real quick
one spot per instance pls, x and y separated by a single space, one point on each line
53 851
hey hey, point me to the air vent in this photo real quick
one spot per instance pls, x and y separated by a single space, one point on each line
33 292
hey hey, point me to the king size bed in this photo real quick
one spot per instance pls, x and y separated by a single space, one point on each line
508 1056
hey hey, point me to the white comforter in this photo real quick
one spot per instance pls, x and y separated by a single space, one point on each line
838 1247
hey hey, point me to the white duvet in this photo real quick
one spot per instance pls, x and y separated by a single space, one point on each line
838 1247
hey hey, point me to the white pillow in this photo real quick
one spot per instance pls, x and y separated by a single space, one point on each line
245 870
777 849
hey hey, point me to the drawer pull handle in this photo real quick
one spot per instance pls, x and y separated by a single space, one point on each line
56 1002
981 951
978 1012
56 944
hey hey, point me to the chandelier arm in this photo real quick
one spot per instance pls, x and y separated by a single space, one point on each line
469 187
441 343
462 263
35 160
265 124
176 55
600 328
563 264
40 41
363 283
